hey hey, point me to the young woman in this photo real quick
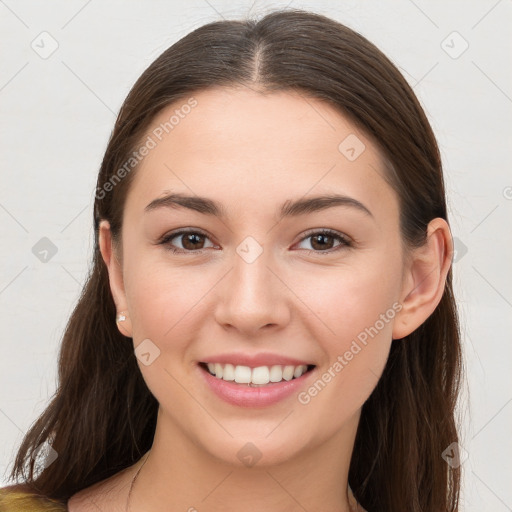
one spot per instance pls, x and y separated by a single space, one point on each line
269 321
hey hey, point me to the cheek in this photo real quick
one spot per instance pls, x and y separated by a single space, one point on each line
357 307
349 299
167 309
165 299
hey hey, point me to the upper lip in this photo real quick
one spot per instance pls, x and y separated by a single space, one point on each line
255 360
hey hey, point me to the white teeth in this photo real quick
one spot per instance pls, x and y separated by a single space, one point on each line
297 372
242 374
259 376
276 374
228 372
288 372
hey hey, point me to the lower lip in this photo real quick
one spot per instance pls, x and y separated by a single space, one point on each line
243 395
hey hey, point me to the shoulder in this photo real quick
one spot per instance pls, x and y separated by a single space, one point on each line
108 495
18 498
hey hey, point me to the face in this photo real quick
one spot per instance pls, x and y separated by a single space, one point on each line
261 276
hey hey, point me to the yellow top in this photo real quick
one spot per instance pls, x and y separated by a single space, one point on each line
12 500
21 501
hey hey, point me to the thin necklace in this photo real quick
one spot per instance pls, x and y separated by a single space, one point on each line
133 482
353 504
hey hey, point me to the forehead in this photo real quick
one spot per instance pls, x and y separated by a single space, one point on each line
253 151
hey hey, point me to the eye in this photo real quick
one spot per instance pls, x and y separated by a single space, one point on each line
323 241
190 241
193 241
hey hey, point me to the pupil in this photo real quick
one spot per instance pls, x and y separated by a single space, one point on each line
191 238
323 238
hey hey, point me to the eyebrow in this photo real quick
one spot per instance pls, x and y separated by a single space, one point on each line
288 209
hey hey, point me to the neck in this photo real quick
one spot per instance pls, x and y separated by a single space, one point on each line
177 474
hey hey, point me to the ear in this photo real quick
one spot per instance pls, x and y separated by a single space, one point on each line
115 275
425 278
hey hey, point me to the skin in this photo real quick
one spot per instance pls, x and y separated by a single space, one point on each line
251 152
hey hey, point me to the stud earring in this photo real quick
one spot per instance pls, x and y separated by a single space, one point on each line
121 317
124 324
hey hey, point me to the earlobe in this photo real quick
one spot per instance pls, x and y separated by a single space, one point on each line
124 324
115 275
425 279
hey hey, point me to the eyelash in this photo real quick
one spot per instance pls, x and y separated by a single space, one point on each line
345 242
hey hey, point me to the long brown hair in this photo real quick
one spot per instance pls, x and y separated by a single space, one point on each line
102 417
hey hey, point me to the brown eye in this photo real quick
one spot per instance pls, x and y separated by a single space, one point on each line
326 241
187 241
192 241
322 241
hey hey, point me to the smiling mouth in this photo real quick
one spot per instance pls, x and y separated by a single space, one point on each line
258 376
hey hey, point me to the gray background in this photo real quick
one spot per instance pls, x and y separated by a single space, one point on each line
57 111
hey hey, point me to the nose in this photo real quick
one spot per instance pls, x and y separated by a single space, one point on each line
251 298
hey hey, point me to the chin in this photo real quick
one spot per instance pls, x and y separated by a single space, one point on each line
258 450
